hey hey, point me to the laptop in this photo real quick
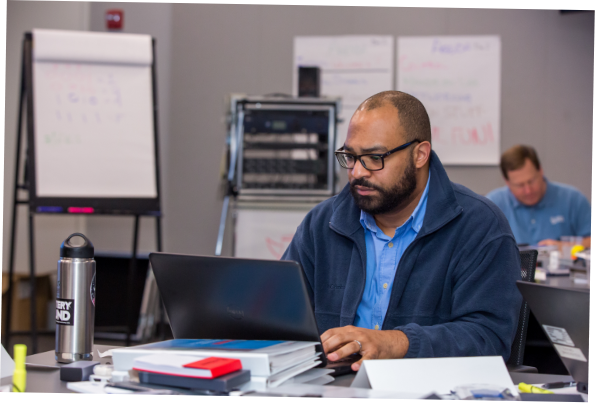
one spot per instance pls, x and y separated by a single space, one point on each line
564 316
212 297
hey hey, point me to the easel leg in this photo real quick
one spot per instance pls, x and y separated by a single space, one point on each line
158 230
15 198
32 284
131 277
161 321
13 231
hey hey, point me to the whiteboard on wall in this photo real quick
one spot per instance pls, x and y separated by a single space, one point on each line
351 67
457 78
93 116
265 234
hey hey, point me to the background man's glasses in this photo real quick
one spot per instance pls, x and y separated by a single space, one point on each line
372 162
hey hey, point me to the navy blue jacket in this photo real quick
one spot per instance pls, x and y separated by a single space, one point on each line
454 291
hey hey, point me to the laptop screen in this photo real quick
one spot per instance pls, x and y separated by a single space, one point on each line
209 297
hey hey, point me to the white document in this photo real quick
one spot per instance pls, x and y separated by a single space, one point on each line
6 364
571 353
558 335
351 67
433 375
457 78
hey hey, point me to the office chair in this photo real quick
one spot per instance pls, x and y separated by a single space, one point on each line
515 362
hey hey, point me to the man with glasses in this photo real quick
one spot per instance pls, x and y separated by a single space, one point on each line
539 211
403 262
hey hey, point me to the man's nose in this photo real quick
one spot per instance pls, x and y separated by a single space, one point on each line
358 170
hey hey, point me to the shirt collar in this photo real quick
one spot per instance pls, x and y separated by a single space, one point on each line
416 219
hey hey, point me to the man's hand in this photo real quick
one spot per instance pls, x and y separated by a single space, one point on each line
339 343
550 242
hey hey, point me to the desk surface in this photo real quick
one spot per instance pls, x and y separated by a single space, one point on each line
563 282
43 376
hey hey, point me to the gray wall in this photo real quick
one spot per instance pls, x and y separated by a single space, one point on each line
205 52
114 233
547 88
23 16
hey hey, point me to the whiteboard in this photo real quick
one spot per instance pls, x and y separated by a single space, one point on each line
265 234
93 115
351 67
457 78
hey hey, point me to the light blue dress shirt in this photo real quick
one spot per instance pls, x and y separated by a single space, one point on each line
383 256
563 210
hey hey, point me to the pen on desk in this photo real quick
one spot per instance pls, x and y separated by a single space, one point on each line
558 385
526 388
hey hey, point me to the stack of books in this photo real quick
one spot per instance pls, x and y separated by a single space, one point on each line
270 362
182 371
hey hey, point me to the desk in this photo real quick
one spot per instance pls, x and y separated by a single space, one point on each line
47 379
539 352
563 282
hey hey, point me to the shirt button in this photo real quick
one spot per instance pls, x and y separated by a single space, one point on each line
376 327
385 285
533 221
390 244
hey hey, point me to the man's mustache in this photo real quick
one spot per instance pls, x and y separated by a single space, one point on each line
363 182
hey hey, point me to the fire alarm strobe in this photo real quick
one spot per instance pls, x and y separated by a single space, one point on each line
114 19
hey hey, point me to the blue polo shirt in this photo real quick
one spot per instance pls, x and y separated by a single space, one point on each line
383 256
563 210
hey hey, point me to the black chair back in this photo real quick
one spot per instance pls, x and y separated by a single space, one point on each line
528 264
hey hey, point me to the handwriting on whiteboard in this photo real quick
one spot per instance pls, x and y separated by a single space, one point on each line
80 97
458 81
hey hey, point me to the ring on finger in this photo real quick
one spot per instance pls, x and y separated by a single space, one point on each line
359 344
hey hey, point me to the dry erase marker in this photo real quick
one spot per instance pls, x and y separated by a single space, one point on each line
81 210
558 385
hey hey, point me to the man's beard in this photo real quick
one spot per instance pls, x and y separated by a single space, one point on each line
388 199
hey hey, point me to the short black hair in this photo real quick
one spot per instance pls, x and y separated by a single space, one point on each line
412 113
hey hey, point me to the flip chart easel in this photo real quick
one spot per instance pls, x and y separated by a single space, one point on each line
92 145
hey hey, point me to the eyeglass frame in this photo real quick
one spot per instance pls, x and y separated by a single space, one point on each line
382 156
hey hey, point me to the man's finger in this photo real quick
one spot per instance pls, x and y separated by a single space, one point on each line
340 337
345 351
334 343
357 365
329 333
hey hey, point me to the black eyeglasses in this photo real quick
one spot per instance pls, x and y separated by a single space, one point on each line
372 162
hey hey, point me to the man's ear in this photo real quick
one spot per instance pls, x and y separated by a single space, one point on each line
422 154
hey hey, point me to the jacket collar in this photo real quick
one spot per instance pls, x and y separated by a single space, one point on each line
441 209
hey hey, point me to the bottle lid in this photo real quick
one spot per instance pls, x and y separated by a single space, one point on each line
78 246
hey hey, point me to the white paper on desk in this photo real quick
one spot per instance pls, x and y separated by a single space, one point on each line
107 353
433 375
6 364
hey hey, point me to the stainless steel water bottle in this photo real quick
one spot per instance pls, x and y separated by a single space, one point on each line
75 300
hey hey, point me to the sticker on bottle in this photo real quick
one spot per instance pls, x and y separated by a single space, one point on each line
64 312
558 335
92 290
571 353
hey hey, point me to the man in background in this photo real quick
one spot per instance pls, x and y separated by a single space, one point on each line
539 211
